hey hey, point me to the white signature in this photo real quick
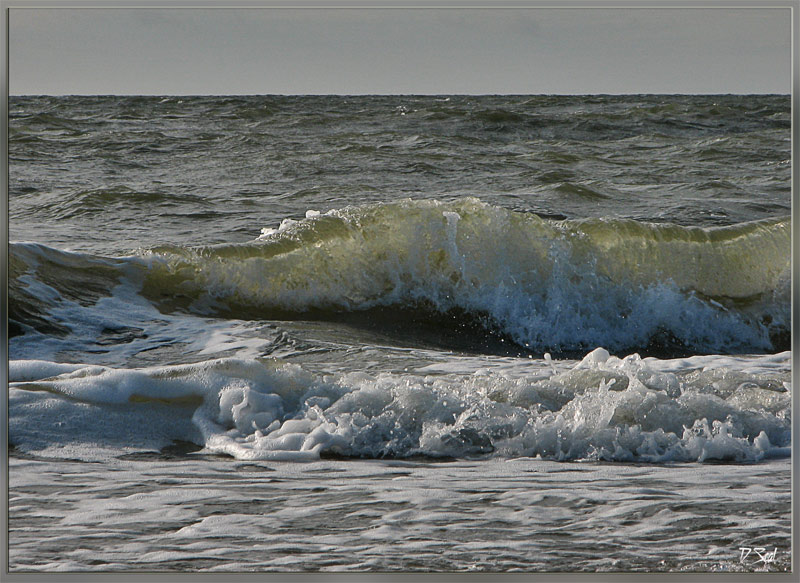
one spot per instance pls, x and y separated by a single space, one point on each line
762 555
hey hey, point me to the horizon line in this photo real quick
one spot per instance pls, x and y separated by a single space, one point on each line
513 94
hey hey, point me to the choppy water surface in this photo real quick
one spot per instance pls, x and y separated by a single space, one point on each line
400 333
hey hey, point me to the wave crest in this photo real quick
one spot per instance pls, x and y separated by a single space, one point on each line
549 285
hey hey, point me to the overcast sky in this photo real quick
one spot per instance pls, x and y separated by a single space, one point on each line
423 51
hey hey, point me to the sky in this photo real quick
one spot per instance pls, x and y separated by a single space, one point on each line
159 51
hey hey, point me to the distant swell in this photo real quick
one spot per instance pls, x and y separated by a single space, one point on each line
543 284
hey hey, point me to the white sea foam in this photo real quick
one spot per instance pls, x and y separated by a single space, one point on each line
603 407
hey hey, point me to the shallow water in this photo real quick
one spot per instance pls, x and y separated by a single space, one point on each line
159 513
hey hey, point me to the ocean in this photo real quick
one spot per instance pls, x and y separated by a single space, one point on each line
400 334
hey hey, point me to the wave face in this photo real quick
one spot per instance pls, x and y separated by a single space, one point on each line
568 285
602 408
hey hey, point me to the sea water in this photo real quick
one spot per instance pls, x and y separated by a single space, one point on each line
499 333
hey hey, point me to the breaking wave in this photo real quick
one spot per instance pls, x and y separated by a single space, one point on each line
548 285
602 408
